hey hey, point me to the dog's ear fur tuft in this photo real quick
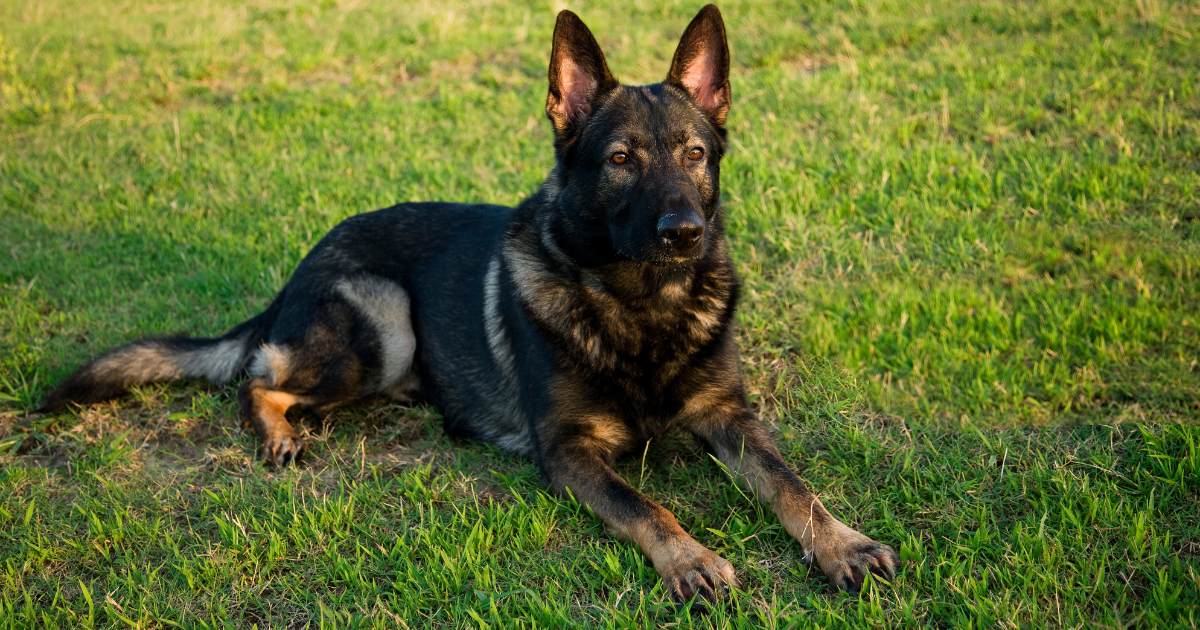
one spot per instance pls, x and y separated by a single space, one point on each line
701 64
578 73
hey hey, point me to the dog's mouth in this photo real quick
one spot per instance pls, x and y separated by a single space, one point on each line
670 257
679 259
660 258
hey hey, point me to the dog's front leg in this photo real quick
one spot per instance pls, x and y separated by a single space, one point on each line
742 444
580 464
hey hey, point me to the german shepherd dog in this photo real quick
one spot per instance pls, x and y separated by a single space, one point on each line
571 329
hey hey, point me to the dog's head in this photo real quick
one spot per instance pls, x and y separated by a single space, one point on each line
638 167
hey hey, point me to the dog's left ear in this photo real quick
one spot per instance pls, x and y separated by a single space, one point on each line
701 64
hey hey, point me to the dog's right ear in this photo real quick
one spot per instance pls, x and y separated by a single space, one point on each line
578 73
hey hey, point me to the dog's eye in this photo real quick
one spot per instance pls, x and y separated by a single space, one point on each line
619 158
696 153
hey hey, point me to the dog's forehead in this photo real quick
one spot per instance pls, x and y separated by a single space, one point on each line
652 112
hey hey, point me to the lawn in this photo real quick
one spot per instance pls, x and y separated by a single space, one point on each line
970 239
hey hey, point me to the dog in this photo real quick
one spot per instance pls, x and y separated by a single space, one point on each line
571 329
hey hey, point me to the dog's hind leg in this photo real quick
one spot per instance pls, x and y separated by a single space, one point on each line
353 342
265 410
299 379
265 399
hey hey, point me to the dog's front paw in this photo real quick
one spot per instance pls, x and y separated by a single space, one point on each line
692 573
846 556
281 449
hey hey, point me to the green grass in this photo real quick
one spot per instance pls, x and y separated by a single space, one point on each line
969 232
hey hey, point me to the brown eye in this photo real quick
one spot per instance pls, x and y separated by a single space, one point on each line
619 158
696 153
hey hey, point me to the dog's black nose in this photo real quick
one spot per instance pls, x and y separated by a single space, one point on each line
680 229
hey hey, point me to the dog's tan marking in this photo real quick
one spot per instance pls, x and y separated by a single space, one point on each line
676 290
609 434
276 402
705 320
708 402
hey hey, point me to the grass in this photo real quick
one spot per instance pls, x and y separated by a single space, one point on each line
969 232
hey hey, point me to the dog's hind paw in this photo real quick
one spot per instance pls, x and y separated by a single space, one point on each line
281 450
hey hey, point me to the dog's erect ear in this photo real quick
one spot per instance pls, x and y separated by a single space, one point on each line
701 64
578 74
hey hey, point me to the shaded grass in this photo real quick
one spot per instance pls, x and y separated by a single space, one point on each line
954 220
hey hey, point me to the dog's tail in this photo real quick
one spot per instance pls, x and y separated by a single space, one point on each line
168 359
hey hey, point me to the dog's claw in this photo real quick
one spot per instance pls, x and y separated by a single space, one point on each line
699 578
